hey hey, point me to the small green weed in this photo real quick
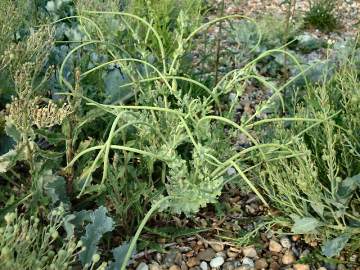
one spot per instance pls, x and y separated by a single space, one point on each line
321 15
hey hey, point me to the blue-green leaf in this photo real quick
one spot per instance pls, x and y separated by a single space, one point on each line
55 188
333 247
75 220
100 224
113 80
119 254
305 225
347 188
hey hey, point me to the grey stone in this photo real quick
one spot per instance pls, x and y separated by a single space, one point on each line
171 257
220 254
206 255
243 267
330 266
142 266
217 262
154 266
228 266
341 267
248 261
184 266
158 257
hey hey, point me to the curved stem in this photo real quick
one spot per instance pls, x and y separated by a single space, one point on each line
153 208
129 60
251 185
161 46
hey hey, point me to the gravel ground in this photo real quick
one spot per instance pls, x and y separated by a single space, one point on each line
209 251
348 11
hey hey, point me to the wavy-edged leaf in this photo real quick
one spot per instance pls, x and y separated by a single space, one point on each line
334 246
119 254
9 159
55 188
100 224
75 220
305 225
113 81
347 188
12 131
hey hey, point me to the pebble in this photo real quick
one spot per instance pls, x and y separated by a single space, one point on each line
184 266
154 266
193 261
261 264
171 257
204 266
353 258
250 252
305 253
341 267
206 255
330 266
288 258
217 246
228 266
190 254
321 268
174 267
178 258
274 266
231 254
248 261
243 267
220 254
184 249
269 234
158 257
296 251
142 266
295 237
300 266
274 246
250 209
285 242
217 262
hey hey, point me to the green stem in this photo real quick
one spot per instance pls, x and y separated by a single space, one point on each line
251 185
139 230
218 45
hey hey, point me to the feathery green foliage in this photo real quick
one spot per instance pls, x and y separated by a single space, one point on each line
320 182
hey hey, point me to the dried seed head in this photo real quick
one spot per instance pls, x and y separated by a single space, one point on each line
50 115
24 114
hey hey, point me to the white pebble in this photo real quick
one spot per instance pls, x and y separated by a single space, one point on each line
285 242
142 266
247 261
217 262
204 266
